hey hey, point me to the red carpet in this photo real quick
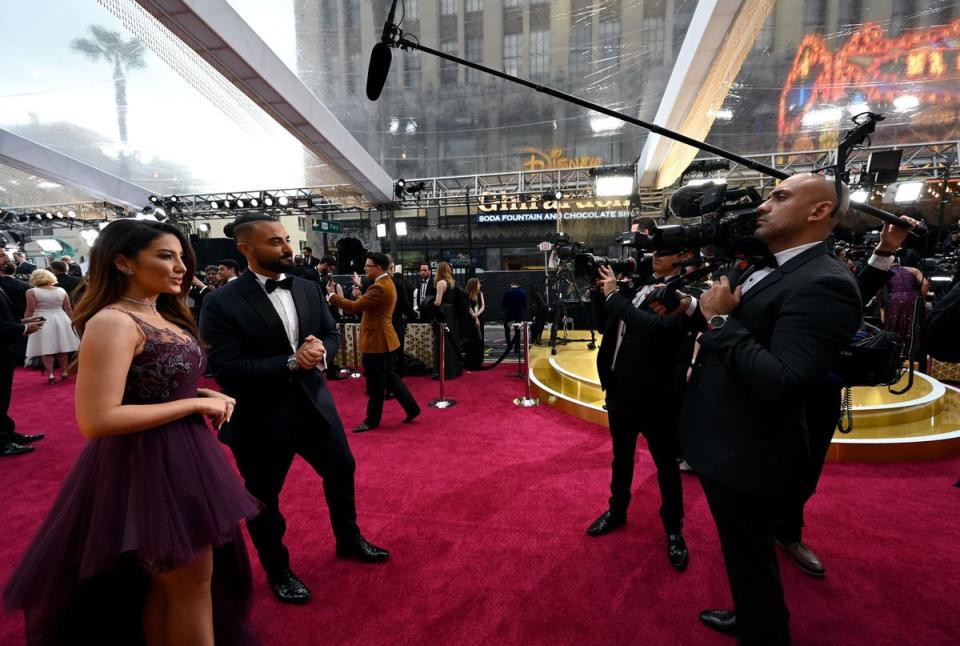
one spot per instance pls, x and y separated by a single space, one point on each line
484 507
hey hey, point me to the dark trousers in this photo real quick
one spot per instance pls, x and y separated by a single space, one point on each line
507 331
381 372
7 425
661 433
745 524
822 411
400 326
264 470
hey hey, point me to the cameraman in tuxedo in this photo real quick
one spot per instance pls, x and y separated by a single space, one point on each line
639 361
823 410
772 336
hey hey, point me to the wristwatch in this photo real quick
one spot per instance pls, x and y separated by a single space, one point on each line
292 363
717 321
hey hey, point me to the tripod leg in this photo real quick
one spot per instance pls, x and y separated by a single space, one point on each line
593 337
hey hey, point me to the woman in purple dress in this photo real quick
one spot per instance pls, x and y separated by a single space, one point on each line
903 309
142 545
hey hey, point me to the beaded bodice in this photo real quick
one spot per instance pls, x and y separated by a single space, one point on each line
169 367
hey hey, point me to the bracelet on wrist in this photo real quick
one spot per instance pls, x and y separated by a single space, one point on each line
882 253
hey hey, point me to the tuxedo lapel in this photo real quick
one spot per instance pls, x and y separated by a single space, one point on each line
300 300
253 293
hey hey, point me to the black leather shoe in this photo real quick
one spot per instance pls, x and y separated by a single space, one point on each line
677 552
389 396
289 589
12 448
409 418
358 548
19 438
723 621
607 522
363 428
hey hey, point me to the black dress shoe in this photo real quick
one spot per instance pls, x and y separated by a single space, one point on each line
677 552
607 521
358 548
723 621
364 427
289 588
409 418
19 438
12 448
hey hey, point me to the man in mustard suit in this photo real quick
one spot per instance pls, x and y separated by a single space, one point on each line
378 340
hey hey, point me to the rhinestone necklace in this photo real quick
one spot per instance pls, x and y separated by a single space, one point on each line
143 303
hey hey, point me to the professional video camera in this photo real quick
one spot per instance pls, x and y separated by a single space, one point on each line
585 264
728 222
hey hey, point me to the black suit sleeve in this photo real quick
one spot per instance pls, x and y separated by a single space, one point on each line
11 332
228 360
940 330
870 280
803 345
328 332
639 321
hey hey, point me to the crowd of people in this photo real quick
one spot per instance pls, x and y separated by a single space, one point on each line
736 376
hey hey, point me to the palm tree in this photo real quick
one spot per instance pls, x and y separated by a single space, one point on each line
124 55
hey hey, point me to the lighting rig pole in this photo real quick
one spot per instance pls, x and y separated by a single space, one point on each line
394 37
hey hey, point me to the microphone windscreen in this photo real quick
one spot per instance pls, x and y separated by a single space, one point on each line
380 59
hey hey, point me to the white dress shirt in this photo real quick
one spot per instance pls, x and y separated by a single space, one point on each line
782 258
282 301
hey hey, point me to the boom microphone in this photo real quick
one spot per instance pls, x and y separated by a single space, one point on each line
380 58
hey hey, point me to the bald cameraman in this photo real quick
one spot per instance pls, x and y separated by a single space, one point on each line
773 335
641 370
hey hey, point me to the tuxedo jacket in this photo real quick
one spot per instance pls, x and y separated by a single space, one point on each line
742 419
248 352
16 291
940 329
645 370
376 327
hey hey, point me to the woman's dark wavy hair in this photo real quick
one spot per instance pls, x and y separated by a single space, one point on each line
106 284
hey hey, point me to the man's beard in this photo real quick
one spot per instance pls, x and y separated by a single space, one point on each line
279 265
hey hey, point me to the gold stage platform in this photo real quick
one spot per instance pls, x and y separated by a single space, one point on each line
921 424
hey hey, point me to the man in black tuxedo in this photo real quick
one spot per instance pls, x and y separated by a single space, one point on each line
424 293
72 268
772 337
823 411
64 279
309 259
24 268
15 288
11 333
269 336
403 312
638 368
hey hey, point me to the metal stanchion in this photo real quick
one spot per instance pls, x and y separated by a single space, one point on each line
344 371
356 356
516 330
443 402
526 401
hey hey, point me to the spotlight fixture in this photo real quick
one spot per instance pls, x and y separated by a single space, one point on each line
254 203
59 215
613 185
267 200
283 200
382 230
203 227
239 203
154 199
302 203
49 216
908 192
174 199
399 187
416 189
558 195
72 215
401 228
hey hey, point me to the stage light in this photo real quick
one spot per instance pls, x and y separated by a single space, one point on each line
381 230
283 200
558 195
908 192
174 199
416 189
49 245
59 215
38 216
613 185
860 195
302 203
254 203
822 116
239 203
905 103
267 200
398 188
203 227
49 216
72 215
706 180
318 200
401 228
154 199
214 205
604 123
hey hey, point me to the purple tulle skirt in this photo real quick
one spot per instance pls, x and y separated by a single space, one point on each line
134 505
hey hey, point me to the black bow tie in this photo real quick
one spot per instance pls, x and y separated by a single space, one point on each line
283 284
766 260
